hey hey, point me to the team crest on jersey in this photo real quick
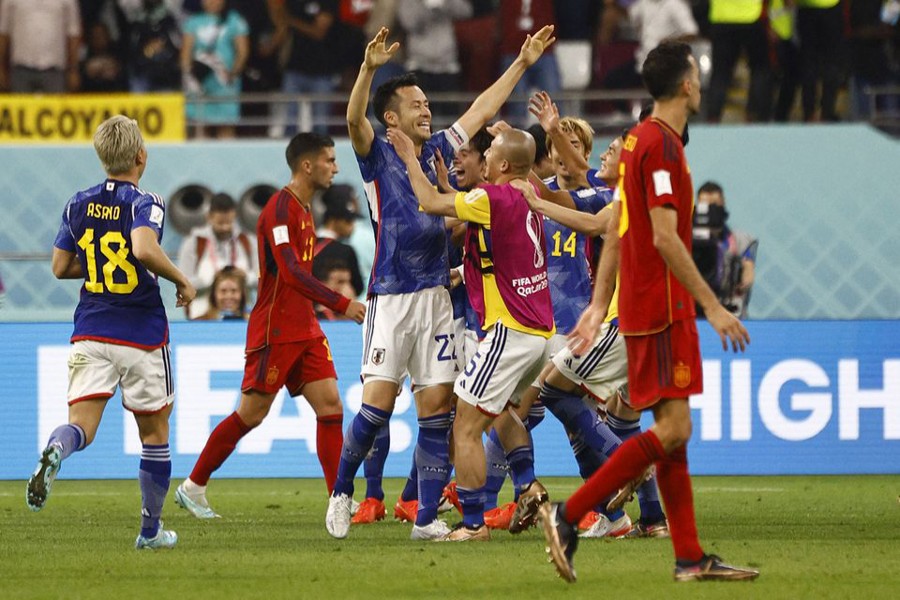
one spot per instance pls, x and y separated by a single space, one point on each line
377 356
681 375
272 376
630 142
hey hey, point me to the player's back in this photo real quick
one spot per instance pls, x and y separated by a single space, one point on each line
120 300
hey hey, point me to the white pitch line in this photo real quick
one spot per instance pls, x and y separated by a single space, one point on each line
737 490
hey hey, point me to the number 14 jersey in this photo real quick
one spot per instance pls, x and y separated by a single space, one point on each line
120 301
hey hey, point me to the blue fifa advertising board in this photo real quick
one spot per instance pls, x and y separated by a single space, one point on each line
812 397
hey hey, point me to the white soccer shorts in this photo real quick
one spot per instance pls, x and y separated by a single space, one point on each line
506 362
602 369
96 369
411 333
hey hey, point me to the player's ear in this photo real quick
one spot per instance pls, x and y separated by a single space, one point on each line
391 118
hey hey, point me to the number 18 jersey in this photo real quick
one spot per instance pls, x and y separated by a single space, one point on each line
120 301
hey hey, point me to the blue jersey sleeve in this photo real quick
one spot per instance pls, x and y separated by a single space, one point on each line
591 200
373 163
150 212
593 178
64 239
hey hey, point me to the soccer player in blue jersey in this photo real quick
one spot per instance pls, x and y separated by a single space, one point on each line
409 324
110 237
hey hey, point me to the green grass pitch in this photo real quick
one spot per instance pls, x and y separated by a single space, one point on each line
812 537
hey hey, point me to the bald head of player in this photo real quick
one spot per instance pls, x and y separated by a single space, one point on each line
510 156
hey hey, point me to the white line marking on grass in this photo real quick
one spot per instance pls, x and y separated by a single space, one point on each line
738 490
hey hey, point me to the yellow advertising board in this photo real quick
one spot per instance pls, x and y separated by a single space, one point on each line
74 118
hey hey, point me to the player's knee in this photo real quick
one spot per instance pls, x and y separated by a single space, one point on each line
329 405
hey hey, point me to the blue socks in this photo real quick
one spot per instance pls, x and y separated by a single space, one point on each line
521 466
68 438
432 457
374 464
472 502
497 470
411 489
154 474
357 442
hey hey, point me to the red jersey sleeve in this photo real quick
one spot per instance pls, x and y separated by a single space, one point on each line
293 242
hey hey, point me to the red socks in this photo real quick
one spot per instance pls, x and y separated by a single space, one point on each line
675 488
219 446
628 462
329 440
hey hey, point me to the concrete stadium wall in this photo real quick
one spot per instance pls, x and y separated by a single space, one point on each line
821 199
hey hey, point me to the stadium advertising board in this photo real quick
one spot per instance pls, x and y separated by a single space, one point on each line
61 118
807 397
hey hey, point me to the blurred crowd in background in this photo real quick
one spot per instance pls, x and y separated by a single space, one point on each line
810 60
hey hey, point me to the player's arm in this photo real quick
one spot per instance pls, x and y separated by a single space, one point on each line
65 264
291 271
585 331
146 248
488 103
361 132
559 197
547 113
432 201
664 220
576 220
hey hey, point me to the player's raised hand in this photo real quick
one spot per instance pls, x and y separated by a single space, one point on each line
443 173
585 332
498 128
184 294
546 111
536 44
356 311
729 328
402 144
378 52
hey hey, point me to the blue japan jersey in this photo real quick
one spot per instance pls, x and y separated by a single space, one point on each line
120 301
568 266
410 245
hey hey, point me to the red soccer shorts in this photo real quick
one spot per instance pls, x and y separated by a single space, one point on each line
664 365
292 364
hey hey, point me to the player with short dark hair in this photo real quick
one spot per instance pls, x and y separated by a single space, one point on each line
410 323
110 236
285 344
656 314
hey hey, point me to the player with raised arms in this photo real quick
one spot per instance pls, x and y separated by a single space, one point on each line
409 327
110 236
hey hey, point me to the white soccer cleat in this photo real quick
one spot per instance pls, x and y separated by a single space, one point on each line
604 528
40 481
337 517
163 540
437 530
195 503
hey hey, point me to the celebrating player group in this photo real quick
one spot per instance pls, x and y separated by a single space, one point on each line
490 290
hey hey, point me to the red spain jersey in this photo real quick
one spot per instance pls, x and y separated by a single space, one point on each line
286 238
653 172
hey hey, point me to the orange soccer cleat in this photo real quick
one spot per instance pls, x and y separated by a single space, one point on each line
500 517
369 511
450 498
405 510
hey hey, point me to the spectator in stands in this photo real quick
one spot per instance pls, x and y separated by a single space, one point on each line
787 72
102 69
725 257
338 223
335 274
216 245
431 51
653 21
154 46
213 56
228 299
820 26
39 46
519 18
312 65
737 25
871 31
